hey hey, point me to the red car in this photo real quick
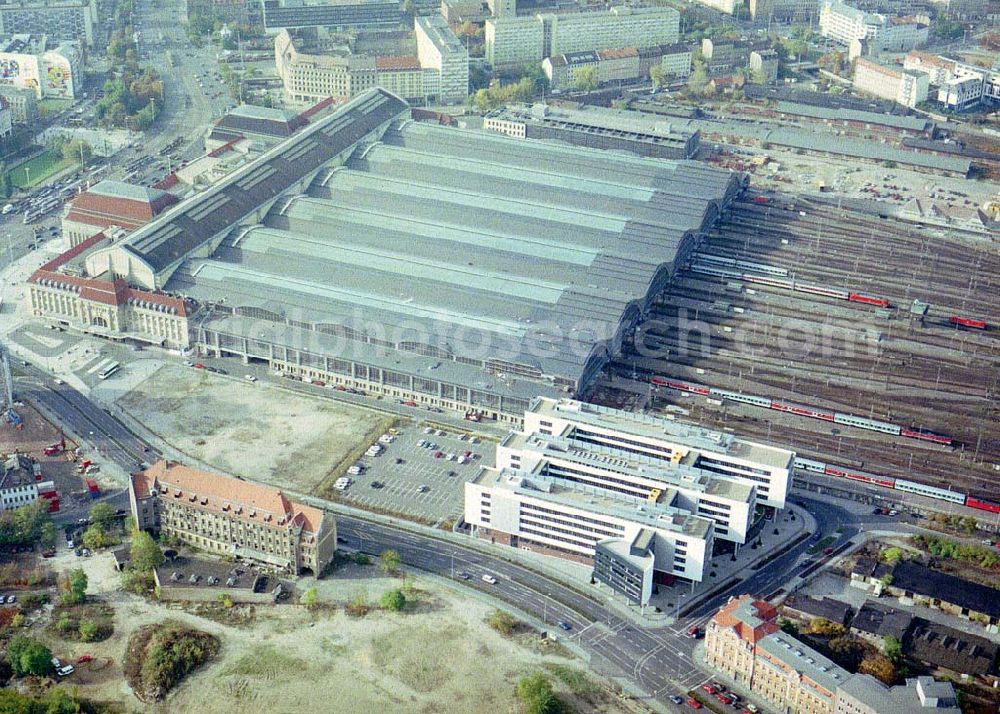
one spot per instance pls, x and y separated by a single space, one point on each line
724 699
694 703
828 551
85 658
319 383
694 633
467 454
438 454
708 689
199 365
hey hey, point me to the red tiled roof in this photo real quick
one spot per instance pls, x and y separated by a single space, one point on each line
73 252
395 63
764 611
316 108
622 53
107 292
121 208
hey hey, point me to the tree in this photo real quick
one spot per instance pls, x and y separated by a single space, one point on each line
77 150
75 587
586 79
102 515
758 77
27 655
6 187
393 600
88 630
846 652
788 627
145 554
893 649
502 622
657 76
880 667
825 628
389 561
698 80
95 538
535 692
309 598
47 535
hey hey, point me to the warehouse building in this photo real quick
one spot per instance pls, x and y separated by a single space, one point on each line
232 517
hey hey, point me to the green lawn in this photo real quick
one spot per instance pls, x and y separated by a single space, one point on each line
825 543
38 169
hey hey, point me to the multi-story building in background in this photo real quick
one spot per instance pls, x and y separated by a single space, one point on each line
23 103
502 8
440 51
726 6
232 517
37 63
528 40
764 64
362 14
876 33
63 20
725 56
743 640
784 10
959 85
903 86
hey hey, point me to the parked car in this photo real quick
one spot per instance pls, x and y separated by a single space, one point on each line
694 633
489 579
565 625
694 703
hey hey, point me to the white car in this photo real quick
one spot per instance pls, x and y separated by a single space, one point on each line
65 671
489 579
249 378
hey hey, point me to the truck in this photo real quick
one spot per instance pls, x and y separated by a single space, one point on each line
54 449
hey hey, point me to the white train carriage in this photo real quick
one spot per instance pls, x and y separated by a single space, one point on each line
862 423
744 398
809 465
930 491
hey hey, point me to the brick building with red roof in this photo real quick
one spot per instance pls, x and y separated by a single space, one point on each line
111 204
232 517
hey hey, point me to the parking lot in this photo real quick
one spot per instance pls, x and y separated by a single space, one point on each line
398 486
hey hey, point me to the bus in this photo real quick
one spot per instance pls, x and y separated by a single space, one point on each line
109 370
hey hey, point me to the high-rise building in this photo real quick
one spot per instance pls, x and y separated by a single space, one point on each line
37 63
527 40
784 10
440 51
59 19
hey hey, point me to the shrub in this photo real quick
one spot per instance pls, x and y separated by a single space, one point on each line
88 630
501 621
160 656
393 600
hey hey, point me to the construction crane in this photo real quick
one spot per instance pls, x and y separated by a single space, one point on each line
9 415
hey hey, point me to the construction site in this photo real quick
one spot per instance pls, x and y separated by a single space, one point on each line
867 344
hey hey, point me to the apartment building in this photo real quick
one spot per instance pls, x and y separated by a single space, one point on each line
784 10
675 60
960 86
21 483
232 517
938 69
62 19
725 56
906 87
51 68
878 33
652 440
440 51
726 6
502 8
764 65
513 41
23 103
743 640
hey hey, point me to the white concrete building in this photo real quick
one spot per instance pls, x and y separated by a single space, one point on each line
439 50
662 442
20 482
906 87
877 33
726 6
36 63
503 8
527 40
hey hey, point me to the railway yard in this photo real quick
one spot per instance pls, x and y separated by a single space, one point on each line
796 323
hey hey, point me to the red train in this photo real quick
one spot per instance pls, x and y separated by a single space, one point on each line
982 505
967 322
761 199
936 438
868 300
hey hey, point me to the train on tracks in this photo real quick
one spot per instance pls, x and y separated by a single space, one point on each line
800 410
775 277
897 484
968 322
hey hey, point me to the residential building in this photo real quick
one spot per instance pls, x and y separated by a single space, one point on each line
725 6
675 60
784 10
967 10
503 8
743 640
725 56
556 518
462 10
962 93
516 41
23 103
6 119
363 14
764 66
804 607
905 87
877 623
112 204
63 20
878 33
232 517
662 442
438 50
21 483
938 69
35 62
948 648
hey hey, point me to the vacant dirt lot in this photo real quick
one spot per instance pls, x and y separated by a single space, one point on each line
252 430
436 657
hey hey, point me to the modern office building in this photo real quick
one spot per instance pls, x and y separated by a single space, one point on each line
51 70
232 517
343 15
906 87
878 33
658 441
743 640
62 20
513 41
596 127
959 85
438 50
961 93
